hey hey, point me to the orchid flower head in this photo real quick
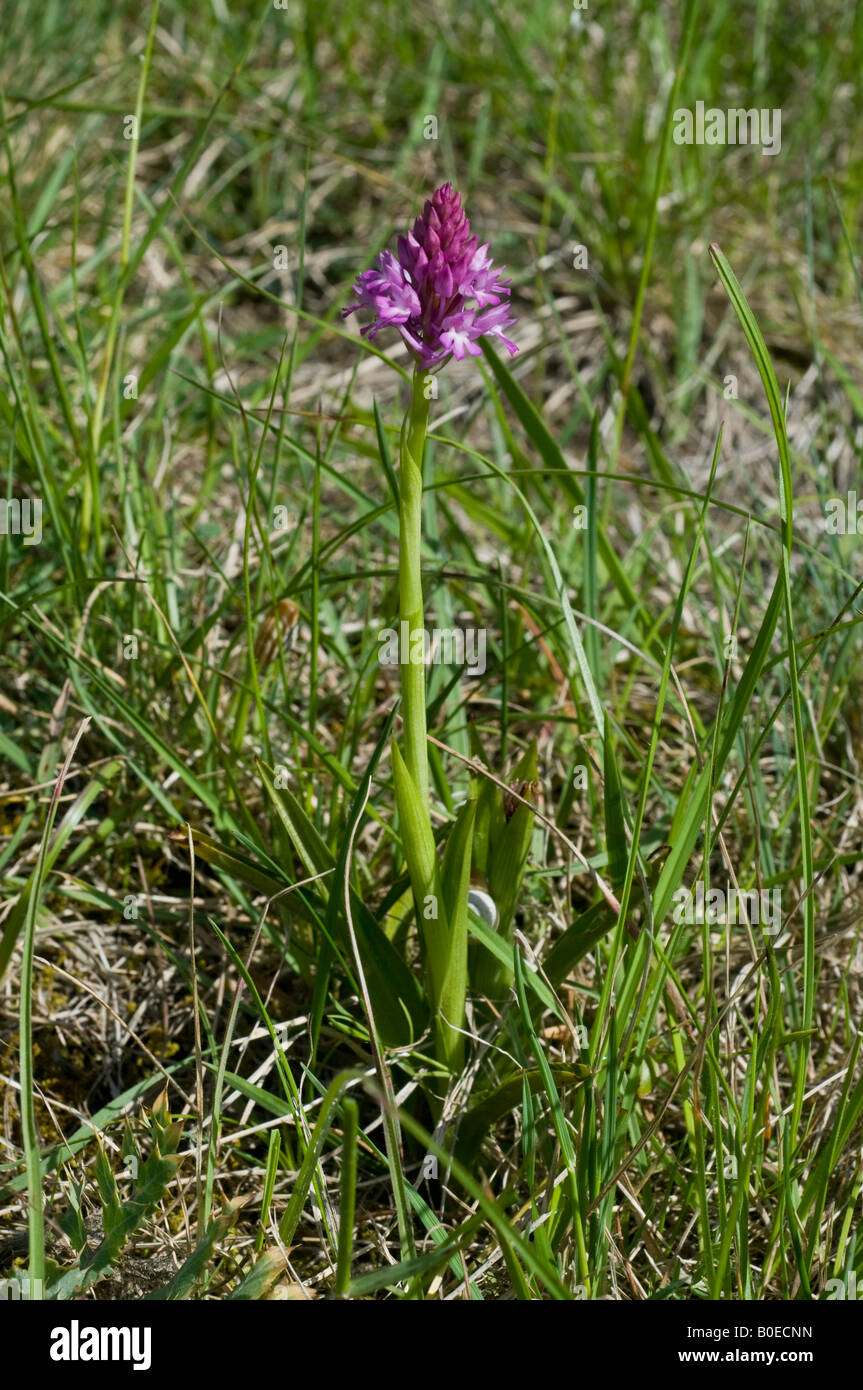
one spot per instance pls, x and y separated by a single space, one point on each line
441 290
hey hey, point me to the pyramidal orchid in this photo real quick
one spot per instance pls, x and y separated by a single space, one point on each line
425 291
442 293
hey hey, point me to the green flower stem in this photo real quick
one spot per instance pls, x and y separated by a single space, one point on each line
410 759
413 676
440 893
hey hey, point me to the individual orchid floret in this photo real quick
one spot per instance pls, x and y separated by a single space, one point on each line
441 291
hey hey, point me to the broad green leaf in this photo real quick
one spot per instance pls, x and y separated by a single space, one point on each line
455 882
510 835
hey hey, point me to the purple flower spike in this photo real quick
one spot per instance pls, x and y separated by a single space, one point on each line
425 289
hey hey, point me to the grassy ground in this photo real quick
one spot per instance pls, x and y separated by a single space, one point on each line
191 696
